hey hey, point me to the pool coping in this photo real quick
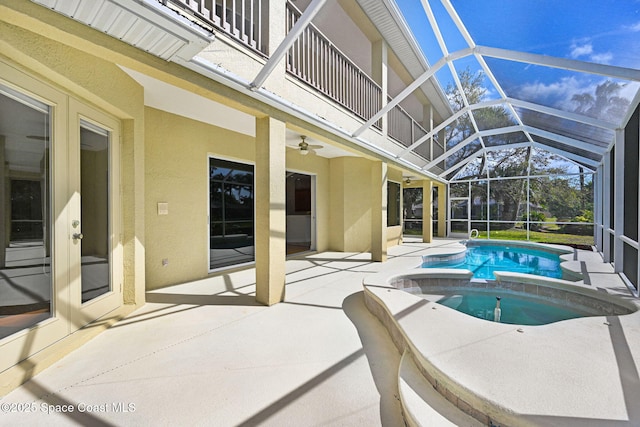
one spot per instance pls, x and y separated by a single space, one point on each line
458 254
438 354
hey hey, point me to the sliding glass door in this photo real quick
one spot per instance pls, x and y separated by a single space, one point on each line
231 213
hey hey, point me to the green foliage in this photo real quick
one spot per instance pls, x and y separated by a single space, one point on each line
536 218
562 196
566 197
542 237
585 216
411 198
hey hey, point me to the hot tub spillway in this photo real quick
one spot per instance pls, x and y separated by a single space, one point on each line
497 312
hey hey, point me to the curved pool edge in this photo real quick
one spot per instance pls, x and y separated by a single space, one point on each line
571 269
442 352
549 247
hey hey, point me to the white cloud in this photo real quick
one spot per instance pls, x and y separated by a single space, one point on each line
635 27
581 50
585 51
557 94
602 58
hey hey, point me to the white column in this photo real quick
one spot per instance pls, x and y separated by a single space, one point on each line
618 200
380 73
427 211
379 211
270 221
607 199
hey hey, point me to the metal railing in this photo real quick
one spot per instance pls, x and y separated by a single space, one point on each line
243 20
317 62
404 129
313 59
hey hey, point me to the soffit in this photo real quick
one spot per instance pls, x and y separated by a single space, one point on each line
393 28
145 24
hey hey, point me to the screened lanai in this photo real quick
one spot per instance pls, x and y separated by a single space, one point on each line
542 143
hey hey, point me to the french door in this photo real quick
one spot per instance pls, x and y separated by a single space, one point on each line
60 245
95 249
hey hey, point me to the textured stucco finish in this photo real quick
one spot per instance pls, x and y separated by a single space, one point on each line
177 153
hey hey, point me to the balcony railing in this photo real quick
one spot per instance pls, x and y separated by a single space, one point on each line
241 19
316 61
313 59
402 127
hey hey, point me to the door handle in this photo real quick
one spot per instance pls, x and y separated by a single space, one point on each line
77 236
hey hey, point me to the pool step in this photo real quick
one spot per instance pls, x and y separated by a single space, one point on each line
422 405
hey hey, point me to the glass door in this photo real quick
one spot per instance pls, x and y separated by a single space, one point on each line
231 213
61 253
33 274
300 213
95 245
412 212
459 209
25 173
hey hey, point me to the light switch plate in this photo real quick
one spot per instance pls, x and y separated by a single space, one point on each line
163 208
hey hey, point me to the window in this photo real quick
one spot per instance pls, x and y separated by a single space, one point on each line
393 204
231 213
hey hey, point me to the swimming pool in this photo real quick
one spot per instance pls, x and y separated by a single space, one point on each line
483 259
514 309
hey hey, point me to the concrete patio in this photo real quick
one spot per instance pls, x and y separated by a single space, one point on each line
205 353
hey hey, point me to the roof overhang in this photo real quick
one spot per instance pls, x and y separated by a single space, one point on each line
145 24
392 26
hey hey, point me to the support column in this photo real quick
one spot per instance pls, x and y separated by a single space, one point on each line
380 76
427 211
597 208
270 196
618 200
379 211
607 200
427 123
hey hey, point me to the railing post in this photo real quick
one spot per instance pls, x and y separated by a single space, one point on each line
380 76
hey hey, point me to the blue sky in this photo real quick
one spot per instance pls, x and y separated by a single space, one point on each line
601 31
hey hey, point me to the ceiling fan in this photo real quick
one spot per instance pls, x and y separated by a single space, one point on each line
408 180
305 148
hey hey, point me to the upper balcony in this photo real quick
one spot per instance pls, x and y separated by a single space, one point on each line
326 59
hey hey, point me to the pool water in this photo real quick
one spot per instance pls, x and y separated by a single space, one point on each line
483 260
515 309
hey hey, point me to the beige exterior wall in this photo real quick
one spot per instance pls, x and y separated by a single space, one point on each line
176 153
351 205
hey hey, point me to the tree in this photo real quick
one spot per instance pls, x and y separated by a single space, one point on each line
605 103
411 198
507 195
486 118
563 197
